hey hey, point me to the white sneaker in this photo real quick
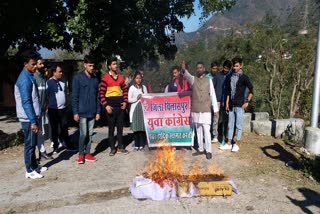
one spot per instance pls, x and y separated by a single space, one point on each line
56 151
33 175
214 140
41 168
62 144
225 147
235 148
52 143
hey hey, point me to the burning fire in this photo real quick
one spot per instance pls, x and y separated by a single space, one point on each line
166 168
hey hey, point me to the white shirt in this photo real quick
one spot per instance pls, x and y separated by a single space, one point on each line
133 98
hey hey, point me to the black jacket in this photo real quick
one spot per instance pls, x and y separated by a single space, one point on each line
242 84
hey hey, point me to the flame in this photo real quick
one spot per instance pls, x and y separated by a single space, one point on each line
215 170
166 168
195 172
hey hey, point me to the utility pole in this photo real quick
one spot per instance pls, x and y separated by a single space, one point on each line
316 88
312 134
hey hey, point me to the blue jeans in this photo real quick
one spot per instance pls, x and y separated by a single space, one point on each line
86 131
30 142
235 119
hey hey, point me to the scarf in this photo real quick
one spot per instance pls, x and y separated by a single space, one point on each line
234 79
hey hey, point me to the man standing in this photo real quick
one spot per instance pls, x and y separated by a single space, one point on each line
86 107
203 99
56 94
28 110
41 84
214 120
114 98
214 70
236 102
219 83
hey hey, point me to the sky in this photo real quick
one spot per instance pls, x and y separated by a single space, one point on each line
190 25
193 23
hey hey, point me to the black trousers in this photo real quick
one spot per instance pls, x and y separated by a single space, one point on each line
58 118
116 119
139 138
223 123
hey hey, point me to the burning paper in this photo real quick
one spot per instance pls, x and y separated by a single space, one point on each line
164 178
145 188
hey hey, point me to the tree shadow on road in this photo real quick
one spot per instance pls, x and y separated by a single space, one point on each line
312 198
277 152
101 147
64 155
104 144
127 139
9 119
74 138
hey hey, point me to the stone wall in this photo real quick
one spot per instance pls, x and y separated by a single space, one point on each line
259 123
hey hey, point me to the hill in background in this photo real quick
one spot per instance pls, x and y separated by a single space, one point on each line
243 13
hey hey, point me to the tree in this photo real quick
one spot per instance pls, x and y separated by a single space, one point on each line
65 55
272 50
134 29
33 23
303 57
278 60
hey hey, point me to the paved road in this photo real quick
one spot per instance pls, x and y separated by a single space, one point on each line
102 187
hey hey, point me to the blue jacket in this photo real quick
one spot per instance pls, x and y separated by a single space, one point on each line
220 87
27 98
56 93
85 95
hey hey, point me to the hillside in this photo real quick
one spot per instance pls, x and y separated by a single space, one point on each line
243 13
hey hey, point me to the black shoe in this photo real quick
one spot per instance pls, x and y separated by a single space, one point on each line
122 151
113 152
198 153
208 155
45 156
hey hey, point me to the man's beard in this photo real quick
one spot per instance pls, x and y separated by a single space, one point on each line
199 74
42 71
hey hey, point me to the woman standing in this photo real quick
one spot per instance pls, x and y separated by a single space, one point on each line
136 112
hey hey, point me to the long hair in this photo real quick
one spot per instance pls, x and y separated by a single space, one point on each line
134 77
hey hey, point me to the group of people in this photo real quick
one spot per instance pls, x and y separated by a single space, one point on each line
40 92
217 106
218 103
